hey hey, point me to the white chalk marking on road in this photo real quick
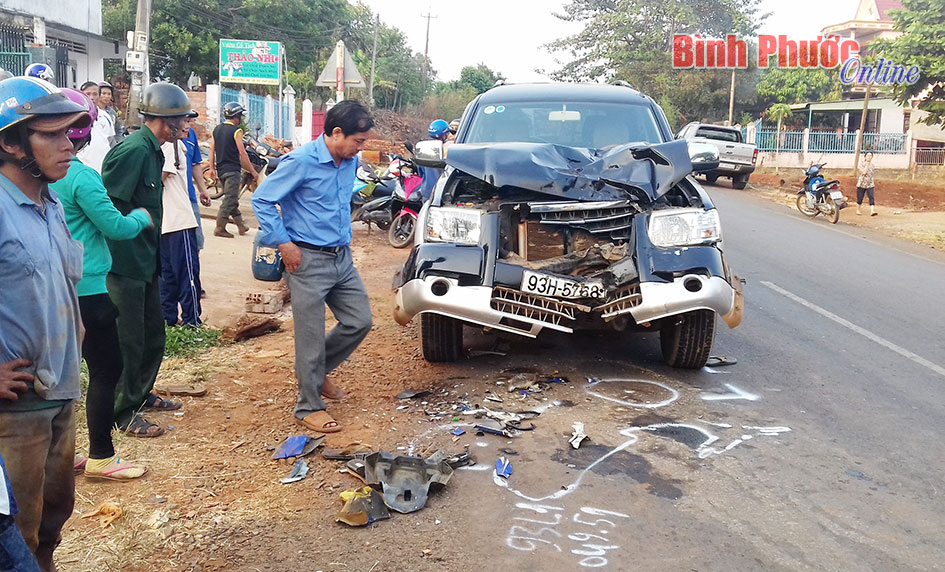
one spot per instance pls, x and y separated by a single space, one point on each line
674 395
915 358
736 393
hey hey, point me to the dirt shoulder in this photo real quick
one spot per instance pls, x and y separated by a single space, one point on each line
907 210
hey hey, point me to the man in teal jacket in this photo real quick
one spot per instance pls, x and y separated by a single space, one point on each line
91 217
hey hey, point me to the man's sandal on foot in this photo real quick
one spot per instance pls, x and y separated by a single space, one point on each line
141 427
113 469
319 422
154 403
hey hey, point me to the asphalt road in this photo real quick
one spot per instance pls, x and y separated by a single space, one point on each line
821 449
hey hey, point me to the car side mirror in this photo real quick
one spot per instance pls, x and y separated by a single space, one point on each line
429 154
704 157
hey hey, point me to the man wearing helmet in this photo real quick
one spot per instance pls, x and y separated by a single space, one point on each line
40 265
228 159
132 175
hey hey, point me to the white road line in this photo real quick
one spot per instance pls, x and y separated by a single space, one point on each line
862 331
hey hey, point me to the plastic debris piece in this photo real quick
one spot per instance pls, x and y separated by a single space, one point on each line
492 427
362 507
406 481
297 446
299 470
463 459
577 435
592 380
509 452
491 396
107 513
503 467
412 393
556 380
458 431
719 360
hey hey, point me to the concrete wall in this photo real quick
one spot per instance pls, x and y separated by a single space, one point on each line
833 160
79 14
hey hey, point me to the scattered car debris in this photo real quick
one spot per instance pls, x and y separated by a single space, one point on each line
577 435
503 467
297 446
107 513
362 507
509 452
491 396
412 394
458 431
463 459
299 471
719 360
492 427
405 480
353 450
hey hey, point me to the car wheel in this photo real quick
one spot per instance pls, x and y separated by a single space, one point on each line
441 338
400 234
214 186
739 182
686 340
711 178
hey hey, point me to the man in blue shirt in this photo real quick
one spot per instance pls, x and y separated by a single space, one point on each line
312 186
40 265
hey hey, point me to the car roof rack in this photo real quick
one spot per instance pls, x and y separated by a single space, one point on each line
622 83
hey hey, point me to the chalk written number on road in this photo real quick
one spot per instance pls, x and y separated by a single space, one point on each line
594 547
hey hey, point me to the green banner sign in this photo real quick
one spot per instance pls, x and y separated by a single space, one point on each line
248 61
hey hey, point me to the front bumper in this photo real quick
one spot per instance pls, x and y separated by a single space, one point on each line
527 314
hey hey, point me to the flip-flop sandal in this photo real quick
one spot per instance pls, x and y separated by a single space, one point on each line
155 403
317 421
188 390
141 427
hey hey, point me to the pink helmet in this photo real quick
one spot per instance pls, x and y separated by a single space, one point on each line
83 100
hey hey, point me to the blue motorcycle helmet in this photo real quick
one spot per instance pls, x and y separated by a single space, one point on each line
31 104
439 129
41 71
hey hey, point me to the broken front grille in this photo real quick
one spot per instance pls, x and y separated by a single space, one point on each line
544 310
627 298
612 218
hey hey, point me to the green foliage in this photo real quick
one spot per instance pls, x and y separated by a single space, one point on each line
921 44
186 341
672 113
745 119
778 112
478 77
447 102
796 85
632 40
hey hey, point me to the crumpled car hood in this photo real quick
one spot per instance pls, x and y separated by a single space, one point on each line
635 171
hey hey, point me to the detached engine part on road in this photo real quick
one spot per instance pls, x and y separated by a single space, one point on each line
523 235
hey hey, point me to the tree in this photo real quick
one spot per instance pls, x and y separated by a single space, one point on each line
922 44
778 112
479 77
796 85
632 40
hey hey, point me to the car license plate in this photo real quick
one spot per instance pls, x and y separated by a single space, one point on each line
726 166
548 285
836 195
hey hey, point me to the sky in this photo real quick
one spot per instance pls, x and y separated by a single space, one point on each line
509 35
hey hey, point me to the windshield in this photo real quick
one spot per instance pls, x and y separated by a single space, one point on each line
572 124
719 134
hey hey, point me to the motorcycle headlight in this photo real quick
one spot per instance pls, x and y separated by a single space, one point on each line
684 227
454 225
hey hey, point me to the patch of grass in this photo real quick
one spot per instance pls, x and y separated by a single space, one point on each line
186 341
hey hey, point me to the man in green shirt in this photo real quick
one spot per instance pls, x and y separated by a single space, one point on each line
132 174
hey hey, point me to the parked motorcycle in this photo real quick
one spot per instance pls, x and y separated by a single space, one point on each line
264 158
371 197
820 196
406 202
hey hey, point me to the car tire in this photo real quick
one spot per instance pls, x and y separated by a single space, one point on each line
441 338
711 178
686 340
739 182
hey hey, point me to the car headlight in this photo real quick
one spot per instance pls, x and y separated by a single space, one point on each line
684 227
455 225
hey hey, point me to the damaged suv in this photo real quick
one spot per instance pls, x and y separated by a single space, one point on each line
568 207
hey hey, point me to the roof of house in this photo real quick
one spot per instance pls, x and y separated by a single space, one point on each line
884 6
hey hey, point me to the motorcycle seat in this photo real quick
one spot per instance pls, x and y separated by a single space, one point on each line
825 184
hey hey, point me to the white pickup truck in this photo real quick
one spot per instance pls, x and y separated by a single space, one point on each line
736 158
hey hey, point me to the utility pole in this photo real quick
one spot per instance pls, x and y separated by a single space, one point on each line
859 137
731 99
140 73
426 50
370 92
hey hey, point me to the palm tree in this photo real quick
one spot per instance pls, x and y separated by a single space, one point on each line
778 112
